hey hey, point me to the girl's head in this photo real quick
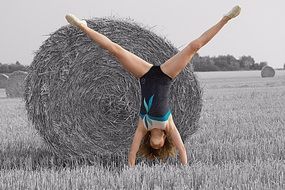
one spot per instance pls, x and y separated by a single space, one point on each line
156 144
157 138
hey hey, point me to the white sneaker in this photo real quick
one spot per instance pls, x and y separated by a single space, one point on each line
234 12
74 21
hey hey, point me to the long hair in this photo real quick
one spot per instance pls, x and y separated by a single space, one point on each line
150 153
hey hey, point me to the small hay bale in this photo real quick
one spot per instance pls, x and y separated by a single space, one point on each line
15 84
83 102
267 71
3 80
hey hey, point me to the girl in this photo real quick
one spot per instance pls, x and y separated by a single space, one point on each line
156 134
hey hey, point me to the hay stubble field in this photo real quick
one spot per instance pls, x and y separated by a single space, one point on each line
240 144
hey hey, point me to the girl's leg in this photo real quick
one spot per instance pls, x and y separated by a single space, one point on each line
132 63
173 66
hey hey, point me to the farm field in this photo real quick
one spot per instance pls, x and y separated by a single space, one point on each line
240 144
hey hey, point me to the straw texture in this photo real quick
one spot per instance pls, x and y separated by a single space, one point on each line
84 103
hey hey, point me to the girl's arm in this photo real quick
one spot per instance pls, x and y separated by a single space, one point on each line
178 143
139 134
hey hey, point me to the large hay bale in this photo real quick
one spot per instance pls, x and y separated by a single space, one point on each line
83 102
267 71
3 80
15 84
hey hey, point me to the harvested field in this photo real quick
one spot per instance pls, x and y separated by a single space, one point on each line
239 145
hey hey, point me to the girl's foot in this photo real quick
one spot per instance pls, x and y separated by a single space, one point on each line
74 21
233 13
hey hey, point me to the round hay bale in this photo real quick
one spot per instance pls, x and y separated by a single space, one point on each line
267 71
15 84
3 80
83 102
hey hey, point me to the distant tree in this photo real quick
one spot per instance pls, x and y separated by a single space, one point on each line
254 66
221 62
233 63
4 68
204 64
284 66
262 64
9 68
227 63
246 62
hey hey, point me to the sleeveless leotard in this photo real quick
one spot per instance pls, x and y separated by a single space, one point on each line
155 88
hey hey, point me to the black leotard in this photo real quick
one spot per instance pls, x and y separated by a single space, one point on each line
155 87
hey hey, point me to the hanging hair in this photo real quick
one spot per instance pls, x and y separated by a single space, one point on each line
150 153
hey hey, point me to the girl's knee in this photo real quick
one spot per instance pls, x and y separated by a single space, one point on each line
115 49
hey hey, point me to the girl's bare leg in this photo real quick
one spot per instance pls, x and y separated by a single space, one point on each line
173 66
132 63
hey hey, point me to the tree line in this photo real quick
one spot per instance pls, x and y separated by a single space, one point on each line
205 63
225 63
10 68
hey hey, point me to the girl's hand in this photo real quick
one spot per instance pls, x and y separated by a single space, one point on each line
132 160
138 136
178 143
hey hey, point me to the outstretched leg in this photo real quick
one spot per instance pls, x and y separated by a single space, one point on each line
132 63
173 66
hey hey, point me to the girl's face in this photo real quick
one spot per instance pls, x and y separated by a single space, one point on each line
157 138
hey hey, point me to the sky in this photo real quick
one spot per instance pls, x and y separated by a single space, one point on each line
259 31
